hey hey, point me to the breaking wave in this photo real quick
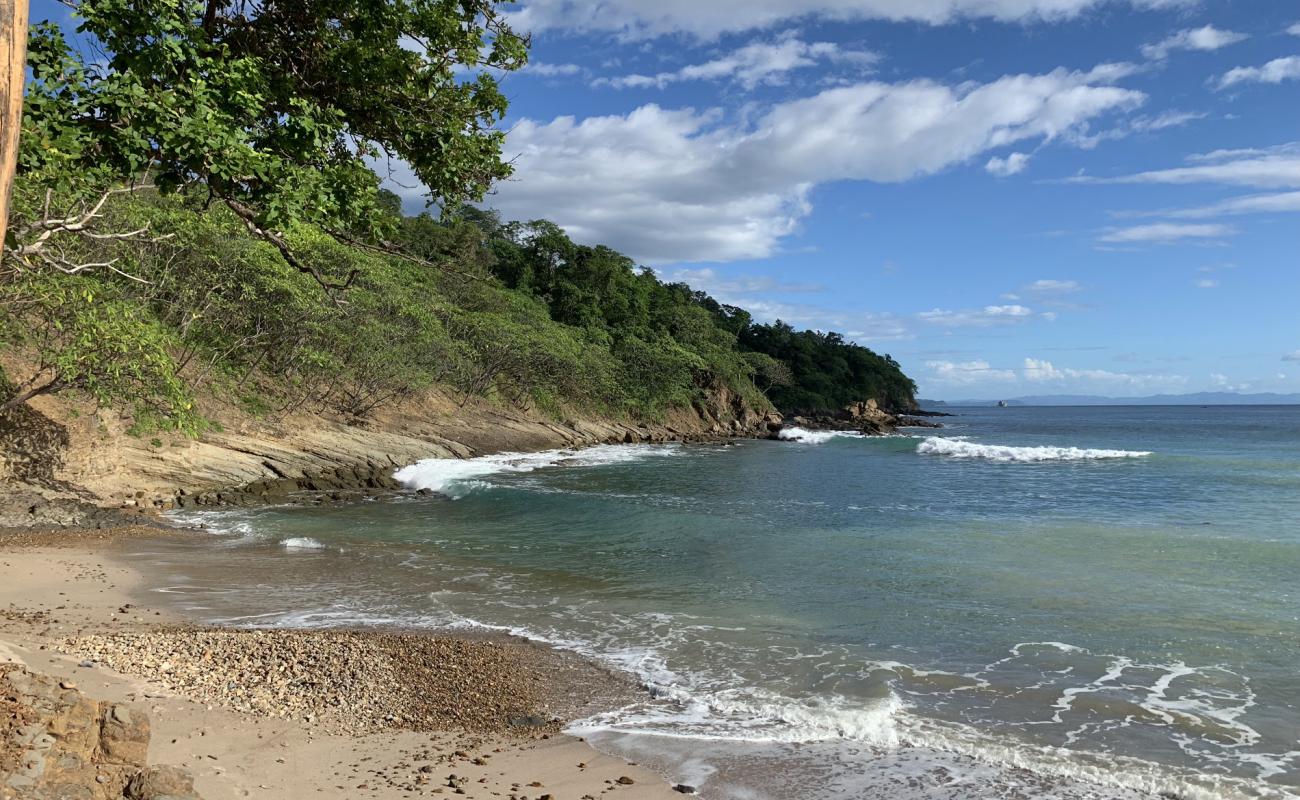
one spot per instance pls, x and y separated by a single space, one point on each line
954 448
806 436
456 477
302 543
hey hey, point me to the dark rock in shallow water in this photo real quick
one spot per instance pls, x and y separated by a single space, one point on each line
916 422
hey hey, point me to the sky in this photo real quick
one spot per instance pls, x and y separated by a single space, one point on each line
1011 197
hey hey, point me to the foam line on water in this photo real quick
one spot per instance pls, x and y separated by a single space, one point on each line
458 476
302 543
805 436
956 448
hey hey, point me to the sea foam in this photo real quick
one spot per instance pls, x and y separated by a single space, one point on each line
302 543
955 448
805 436
458 476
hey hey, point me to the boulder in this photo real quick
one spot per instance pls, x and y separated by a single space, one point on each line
161 783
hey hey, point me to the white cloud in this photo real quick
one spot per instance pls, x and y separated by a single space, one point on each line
1206 283
710 18
755 63
1048 286
862 326
985 317
552 70
1293 356
1294 30
965 373
1275 71
1166 232
1036 370
1220 381
722 286
1267 168
680 185
1172 118
1205 38
1043 371
1280 202
1138 125
1011 165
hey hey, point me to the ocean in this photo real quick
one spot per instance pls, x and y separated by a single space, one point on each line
1031 602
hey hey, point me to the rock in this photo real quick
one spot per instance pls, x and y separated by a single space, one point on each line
125 742
684 789
161 783
625 781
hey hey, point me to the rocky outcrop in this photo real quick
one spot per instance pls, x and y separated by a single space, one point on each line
57 743
865 417
100 475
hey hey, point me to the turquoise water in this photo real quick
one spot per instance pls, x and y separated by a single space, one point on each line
1090 602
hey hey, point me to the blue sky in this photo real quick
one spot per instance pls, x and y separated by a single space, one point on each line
1009 196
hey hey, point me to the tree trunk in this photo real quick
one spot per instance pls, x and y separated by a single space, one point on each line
13 66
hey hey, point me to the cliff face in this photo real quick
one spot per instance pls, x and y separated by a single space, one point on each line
59 456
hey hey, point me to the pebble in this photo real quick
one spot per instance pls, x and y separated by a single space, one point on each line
343 680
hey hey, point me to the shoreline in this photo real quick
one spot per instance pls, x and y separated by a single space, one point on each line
79 587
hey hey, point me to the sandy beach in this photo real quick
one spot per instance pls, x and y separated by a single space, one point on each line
292 714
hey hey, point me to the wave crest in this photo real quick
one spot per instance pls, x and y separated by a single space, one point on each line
458 476
805 436
302 543
955 448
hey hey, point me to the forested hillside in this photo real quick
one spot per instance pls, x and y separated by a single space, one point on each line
172 237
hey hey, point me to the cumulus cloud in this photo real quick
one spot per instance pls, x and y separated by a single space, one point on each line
1206 283
1036 370
648 18
1294 30
1205 38
1220 381
1275 71
964 373
682 185
1011 165
1166 233
755 63
1292 356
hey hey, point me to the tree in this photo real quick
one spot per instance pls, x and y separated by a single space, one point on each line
13 55
275 109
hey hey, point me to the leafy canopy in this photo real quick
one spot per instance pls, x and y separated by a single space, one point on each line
274 107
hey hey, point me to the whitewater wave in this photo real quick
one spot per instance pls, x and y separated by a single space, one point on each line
302 543
956 448
805 436
456 477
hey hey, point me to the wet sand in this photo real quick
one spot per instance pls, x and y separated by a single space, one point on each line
292 714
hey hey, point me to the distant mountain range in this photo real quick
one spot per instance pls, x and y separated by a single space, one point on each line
1195 399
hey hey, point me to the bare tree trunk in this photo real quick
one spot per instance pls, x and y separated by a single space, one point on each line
13 65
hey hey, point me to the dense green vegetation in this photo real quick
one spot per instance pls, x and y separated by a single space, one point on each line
197 216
